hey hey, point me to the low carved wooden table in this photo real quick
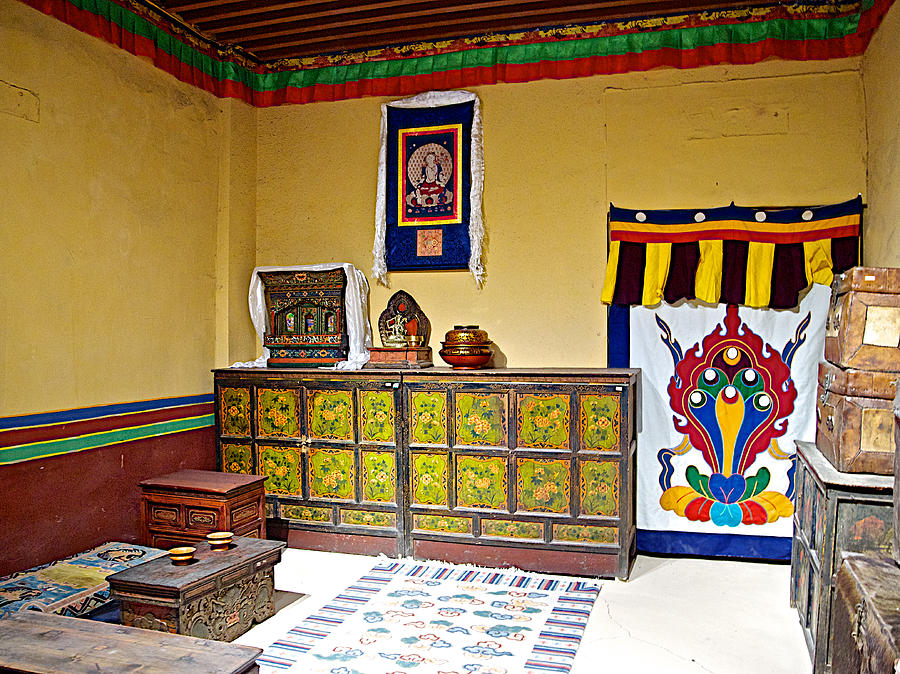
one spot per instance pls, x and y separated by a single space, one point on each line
217 596
32 641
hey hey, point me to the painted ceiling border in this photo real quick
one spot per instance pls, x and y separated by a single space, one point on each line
803 31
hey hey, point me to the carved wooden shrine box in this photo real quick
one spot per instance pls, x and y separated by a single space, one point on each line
218 596
834 513
33 641
307 323
532 468
854 426
863 326
182 507
865 637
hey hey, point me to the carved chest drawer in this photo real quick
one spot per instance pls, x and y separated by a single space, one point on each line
834 513
182 507
217 596
532 468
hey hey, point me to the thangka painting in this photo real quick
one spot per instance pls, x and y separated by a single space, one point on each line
724 311
428 207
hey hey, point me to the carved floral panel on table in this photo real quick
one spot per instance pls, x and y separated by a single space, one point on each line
600 424
580 533
511 529
429 417
281 466
543 485
429 478
276 413
377 416
443 523
481 482
543 421
230 611
330 415
481 419
304 513
234 411
237 458
600 488
379 476
331 473
368 518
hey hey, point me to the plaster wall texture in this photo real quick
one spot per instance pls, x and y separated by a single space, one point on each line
881 77
108 225
556 152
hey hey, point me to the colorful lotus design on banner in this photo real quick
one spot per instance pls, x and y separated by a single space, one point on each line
731 396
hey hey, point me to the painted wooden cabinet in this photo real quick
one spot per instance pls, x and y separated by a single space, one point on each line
533 468
834 513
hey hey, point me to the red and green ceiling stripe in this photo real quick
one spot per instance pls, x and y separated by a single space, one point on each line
801 32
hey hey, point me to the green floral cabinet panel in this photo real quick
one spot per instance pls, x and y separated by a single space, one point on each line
543 421
271 510
330 415
234 411
443 523
481 419
543 484
276 413
331 473
430 473
512 529
481 482
428 424
368 518
579 533
600 488
305 513
600 425
376 416
281 466
379 476
237 458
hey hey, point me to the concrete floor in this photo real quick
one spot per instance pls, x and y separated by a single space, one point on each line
677 616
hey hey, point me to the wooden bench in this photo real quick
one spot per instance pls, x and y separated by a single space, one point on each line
31 641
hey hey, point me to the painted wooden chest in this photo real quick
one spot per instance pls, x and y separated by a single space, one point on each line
834 512
31 641
854 419
218 596
865 636
182 507
532 468
863 326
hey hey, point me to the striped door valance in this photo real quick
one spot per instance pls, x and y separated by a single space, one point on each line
757 257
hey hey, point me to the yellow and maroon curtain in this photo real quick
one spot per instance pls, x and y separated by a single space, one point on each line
757 257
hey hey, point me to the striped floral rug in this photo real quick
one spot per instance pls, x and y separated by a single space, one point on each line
404 617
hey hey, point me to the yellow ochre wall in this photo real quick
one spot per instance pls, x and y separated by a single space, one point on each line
881 77
556 152
110 215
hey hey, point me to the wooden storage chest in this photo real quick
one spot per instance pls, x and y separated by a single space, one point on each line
32 641
533 468
182 507
218 596
834 513
855 420
865 636
863 326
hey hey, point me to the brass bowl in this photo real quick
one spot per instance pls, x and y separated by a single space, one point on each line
415 340
219 540
466 334
183 555
466 356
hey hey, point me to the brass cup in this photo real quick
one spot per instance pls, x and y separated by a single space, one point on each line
183 555
219 540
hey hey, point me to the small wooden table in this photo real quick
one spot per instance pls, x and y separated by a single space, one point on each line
217 596
31 641
182 507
